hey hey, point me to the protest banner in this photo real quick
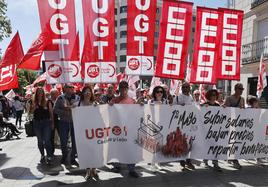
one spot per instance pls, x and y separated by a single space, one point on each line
205 57
98 57
175 28
230 44
63 72
141 17
163 133
58 19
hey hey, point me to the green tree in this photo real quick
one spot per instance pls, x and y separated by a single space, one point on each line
5 25
25 78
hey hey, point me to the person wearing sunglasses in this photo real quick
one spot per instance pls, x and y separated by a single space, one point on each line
159 96
236 100
211 100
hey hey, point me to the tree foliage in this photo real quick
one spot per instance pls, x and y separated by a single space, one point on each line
25 78
5 25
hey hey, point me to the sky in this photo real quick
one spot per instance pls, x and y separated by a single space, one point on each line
24 17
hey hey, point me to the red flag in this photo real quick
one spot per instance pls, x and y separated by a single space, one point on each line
262 80
14 52
58 19
8 77
230 44
33 56
173 39
98 59
206 44
76 49
140 37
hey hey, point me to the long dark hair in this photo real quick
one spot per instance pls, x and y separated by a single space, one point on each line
43 99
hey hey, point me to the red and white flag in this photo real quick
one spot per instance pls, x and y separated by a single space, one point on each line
230 26
175 29
205 57
203 93
98 57
8 77
14 52
58 19
32 58
174 86
40 78
262 80
156 81
140 37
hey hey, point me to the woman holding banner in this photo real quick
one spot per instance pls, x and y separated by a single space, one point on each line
87 99
159 96
211 100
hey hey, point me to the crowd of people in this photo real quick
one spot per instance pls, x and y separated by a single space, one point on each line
51 112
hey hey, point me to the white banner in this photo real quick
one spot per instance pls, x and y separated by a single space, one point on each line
163 133
63 72
96 72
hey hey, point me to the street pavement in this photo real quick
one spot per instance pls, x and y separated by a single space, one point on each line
19 167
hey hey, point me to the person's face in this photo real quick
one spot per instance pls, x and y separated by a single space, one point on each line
159 93
87 94
185 88
197 95
123 91
239 91
110 89
69 90
213 97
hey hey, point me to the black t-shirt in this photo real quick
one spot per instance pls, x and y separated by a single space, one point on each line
41 113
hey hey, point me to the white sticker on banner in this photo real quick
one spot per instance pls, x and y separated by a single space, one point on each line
140 65
100 72
63 72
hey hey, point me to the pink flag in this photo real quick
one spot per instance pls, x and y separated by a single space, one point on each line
262 81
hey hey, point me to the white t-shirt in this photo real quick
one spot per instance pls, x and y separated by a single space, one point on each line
183 100
18 105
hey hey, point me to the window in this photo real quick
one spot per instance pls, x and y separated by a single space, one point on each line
157 10
123 9
123 58
156 34
115 11
123 34
123 46
123 21
157 22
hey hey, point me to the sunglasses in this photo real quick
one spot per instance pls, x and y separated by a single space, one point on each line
159 91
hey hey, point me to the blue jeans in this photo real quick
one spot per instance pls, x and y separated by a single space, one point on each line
42 130
64 129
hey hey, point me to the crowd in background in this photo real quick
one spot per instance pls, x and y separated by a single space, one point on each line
51 114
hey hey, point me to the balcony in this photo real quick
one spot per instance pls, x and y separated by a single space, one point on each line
256 3
251 53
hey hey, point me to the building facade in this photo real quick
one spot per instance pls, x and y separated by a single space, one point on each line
254 43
